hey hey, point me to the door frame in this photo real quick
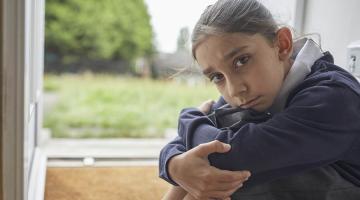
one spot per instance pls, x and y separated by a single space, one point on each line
23 173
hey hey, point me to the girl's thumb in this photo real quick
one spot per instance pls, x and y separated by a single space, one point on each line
215 146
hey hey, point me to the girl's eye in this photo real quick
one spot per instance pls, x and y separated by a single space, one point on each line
216 78
241 61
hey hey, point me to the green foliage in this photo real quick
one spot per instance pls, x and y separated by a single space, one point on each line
105 29
51 85
110 106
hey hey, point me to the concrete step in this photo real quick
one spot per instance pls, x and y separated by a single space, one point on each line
125 149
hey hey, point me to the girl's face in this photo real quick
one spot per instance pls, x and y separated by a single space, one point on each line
247 70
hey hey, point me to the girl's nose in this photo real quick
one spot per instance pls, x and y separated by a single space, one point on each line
236 90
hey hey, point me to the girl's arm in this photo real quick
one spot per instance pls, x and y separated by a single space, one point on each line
317 129
173 148
178 145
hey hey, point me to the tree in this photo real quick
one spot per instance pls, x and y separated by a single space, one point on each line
183 39
97 30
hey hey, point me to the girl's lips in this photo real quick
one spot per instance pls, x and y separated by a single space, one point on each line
251 103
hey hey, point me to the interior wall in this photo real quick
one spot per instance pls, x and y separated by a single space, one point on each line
337 22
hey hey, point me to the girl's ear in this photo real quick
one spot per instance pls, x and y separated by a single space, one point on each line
284 43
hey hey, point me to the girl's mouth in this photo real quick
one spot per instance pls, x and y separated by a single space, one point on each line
251 103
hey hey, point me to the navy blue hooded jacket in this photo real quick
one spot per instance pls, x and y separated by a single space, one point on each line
320 126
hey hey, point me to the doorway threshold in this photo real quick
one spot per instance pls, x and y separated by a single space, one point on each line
102 152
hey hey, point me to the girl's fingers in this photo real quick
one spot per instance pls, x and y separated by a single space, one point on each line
221 186
230 176
222 194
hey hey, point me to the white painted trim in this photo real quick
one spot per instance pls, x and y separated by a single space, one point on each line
39 11
13 99
299 17
23 40
37 176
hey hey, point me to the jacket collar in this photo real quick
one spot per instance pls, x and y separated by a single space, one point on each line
306 53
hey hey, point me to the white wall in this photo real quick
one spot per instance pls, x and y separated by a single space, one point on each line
338 23
283 11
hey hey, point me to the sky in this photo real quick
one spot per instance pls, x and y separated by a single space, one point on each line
169 16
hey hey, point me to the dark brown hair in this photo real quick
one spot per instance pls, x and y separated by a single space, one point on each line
231 16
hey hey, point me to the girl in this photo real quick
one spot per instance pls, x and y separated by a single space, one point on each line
308 149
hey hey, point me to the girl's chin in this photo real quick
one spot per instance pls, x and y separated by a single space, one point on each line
261 107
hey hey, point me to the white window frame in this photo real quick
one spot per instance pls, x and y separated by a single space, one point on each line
24 165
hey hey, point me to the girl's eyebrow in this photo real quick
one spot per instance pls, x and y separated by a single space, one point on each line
207 70
227 55
233 52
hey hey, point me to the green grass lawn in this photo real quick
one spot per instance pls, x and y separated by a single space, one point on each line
106 106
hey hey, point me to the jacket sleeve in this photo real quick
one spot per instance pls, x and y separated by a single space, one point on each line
317 128
175 147
178 145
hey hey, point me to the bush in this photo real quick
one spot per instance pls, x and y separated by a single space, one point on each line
78 30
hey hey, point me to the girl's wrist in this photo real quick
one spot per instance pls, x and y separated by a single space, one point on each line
173 167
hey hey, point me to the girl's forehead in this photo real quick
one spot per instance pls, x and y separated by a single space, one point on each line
231 38
225 42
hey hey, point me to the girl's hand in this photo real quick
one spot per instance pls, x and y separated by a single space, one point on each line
192 171
206 106
175 193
